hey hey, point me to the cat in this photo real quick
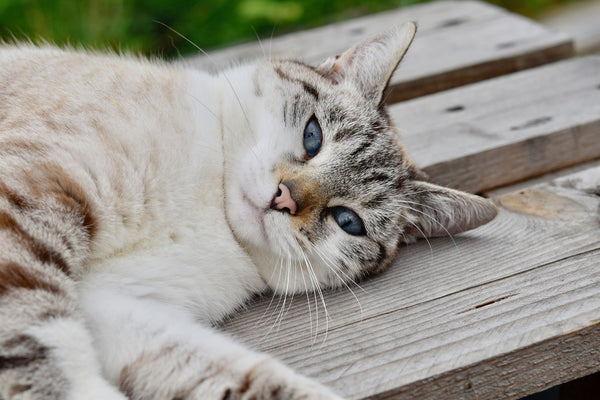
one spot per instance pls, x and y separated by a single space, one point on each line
142 203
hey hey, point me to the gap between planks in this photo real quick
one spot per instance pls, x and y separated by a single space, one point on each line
506 129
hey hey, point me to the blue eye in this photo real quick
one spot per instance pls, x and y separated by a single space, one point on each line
348 220
312 137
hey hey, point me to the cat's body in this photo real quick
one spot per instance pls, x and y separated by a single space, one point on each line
137 144
140 203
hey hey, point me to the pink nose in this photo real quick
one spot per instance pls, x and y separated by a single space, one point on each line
284 200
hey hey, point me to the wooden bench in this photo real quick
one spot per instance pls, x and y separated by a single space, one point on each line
500 312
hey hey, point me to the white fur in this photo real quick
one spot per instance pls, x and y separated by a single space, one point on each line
76 359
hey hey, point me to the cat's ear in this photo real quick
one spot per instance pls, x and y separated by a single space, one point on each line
440 211
370 64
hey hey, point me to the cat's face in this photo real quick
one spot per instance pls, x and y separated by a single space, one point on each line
324 193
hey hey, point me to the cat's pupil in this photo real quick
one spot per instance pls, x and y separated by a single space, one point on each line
313 137
348 220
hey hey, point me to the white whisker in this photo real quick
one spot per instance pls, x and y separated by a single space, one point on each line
273 295
272 298
333 268
431 219
271 42
318 287
285 294
307 300
259 42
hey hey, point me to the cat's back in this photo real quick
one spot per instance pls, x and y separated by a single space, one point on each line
38 81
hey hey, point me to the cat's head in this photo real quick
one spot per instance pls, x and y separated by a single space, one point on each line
322 191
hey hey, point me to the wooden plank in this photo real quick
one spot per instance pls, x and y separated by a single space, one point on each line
546 178
506 310
458 42
508 128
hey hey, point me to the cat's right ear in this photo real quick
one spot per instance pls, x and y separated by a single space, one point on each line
370 64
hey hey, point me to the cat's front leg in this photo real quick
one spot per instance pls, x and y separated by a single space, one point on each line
270 380
46 350
180 371
53 360
154 351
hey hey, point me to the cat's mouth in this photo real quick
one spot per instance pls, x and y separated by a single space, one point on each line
258 214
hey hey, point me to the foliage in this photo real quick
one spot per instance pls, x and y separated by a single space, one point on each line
150 26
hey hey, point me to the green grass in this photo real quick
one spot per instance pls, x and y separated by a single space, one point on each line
146 26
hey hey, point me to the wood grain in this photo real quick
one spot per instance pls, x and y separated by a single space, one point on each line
508 309
458 42
500 312
508 128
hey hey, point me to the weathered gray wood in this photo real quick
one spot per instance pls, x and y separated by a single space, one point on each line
506 310
458 42
508 128
497 313
542 179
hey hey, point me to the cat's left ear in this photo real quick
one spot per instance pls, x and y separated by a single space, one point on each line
441 211
370 64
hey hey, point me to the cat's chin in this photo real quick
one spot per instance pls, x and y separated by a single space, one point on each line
263 232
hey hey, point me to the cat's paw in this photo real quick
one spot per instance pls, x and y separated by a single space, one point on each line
270 380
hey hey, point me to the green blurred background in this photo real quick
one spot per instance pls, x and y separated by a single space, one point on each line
140 26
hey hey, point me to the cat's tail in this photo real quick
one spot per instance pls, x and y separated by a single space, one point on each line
45 230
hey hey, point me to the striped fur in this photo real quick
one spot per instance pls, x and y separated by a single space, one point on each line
136 211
